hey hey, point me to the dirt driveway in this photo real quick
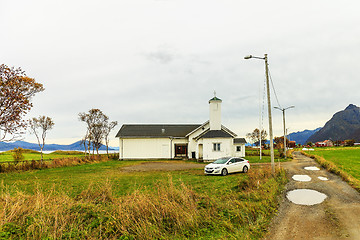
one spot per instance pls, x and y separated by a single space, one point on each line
338 217
162 166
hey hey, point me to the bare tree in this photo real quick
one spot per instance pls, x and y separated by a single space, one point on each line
98 135
255 135
95 120
16 91
40 126
84 143
107 129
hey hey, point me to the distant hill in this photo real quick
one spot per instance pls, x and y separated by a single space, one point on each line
303 136
342 126
76 146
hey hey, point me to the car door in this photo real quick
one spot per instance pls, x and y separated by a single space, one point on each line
231 165
239 164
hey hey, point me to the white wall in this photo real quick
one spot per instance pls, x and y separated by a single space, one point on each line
225 150
241 153
193 145
145 148
164 148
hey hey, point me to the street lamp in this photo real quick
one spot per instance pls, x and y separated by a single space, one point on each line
269 108
283 111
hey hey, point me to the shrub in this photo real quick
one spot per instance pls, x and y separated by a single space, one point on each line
349 142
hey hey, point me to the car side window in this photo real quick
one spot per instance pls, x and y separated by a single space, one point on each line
232 161
238 160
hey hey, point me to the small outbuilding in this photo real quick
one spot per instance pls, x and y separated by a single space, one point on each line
207 141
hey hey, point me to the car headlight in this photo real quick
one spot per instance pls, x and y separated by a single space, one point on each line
217 168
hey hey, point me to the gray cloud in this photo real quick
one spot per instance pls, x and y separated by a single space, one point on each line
162 55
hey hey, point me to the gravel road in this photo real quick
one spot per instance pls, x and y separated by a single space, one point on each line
162 166
338 217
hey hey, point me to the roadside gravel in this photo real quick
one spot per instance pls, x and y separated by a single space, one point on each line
162 166
338 217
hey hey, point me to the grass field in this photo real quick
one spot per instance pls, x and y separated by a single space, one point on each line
34 155
343 161
345 158
100 201
252 155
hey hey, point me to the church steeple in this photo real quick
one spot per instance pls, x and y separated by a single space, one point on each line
215 113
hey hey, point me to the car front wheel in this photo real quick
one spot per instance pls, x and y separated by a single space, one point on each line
245 169
224 172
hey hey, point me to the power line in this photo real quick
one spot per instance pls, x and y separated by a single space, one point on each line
272 84
263 106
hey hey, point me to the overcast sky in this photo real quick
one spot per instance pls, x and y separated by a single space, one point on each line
159 61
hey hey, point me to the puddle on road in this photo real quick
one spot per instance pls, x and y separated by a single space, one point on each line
305 197
302 178
323 178
312 168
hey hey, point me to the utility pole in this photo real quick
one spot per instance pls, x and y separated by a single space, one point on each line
260 122
283 112
269 109
269 112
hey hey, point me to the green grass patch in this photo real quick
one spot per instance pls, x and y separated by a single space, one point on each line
100 201
345 158
253 155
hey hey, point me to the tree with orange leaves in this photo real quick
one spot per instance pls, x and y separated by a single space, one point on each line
16 92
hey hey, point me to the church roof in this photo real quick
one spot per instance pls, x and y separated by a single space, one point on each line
215 134
239 140
156 130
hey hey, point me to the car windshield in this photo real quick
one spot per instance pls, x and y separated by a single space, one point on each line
221 161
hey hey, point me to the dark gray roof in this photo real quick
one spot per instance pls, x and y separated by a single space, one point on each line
239 140
215 134
215 99
156 130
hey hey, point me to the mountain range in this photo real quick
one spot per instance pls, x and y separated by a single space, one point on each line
342 126
303 136
76 146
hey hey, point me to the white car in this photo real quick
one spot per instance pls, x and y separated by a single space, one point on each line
225 165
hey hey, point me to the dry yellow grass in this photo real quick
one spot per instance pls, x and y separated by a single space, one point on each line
167 211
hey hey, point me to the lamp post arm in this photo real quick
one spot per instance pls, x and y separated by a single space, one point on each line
260 58
251 56
289 107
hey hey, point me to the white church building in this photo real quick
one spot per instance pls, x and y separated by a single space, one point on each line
207 141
